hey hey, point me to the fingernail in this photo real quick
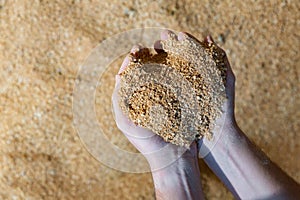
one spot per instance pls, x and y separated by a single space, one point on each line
164 35
181 36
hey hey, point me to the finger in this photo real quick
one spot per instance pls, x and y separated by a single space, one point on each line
167 34
182 36
136 48
229 68
158 47
124 64
186 35
209 40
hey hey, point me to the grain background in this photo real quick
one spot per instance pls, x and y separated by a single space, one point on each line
43 43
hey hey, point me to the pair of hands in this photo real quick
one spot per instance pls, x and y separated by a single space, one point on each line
146 141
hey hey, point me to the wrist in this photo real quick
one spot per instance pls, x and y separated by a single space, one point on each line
180 169
179 180
226 140
245 169
172 156
225 127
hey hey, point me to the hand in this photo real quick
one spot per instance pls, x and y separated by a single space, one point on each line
175 169
153 143
143 139
244 169
227 118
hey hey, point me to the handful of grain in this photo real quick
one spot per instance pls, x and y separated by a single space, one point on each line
176 92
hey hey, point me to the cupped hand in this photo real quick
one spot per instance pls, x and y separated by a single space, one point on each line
144 139
227 118
158 152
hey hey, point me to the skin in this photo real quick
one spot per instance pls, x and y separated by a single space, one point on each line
244 169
